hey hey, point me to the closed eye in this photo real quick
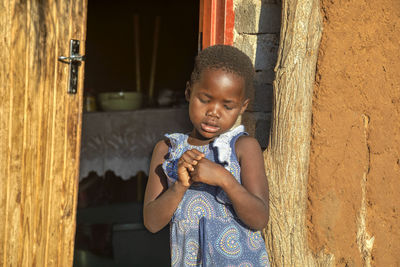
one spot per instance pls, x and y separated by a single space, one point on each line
228 107
203 100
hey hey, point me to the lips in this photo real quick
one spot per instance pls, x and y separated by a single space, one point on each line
209 127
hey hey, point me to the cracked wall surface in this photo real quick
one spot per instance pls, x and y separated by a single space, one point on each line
354 182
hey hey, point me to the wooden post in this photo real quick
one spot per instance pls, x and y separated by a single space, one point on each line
287 156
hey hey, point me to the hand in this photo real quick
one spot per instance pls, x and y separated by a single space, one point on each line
186 164
209 172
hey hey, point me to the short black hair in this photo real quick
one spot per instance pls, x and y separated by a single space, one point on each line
227 58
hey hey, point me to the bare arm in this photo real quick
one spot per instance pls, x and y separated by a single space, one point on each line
251 198
160 202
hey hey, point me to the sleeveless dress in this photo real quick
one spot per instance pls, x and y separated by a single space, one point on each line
205 230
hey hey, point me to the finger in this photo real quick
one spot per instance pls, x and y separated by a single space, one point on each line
194 176
198 154
194 172
185 166
189 160
195 154
190 157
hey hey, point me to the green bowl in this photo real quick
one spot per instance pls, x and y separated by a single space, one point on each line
114 101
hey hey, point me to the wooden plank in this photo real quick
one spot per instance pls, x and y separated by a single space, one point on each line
4 122
44 20
29 139
72 143
54 192
17 71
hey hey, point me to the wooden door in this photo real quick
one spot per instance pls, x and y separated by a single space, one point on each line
40 127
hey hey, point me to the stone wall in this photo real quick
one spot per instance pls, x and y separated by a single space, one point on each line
257 27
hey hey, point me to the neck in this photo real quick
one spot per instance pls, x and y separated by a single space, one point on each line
197 139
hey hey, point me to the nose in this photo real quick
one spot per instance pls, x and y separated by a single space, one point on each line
213 110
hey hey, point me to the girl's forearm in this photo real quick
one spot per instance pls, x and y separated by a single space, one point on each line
158 213
250 209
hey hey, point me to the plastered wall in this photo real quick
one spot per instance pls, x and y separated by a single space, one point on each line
354 182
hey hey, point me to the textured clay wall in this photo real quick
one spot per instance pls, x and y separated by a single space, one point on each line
354 183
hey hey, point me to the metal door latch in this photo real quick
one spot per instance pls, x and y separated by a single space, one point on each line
74 61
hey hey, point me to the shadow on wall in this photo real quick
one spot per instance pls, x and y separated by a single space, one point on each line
257 25
265 61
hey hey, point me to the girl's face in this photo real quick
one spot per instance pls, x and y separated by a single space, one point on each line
215 102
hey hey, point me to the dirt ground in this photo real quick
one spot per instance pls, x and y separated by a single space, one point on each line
354 184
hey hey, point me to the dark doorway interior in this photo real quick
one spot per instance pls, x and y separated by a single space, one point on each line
110 230
110 64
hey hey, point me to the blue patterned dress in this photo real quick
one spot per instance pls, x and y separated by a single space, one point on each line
205 230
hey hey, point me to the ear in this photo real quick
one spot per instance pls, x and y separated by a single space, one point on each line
188 91
244 106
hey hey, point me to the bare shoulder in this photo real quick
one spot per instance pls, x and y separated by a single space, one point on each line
252 169
161 146
247 145
160 151
157 182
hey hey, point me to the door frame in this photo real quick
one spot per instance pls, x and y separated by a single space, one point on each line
216 23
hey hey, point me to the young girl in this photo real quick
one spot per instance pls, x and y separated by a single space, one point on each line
210 184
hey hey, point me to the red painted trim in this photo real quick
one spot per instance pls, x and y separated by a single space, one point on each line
206 23
217 21
214 22
229 22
